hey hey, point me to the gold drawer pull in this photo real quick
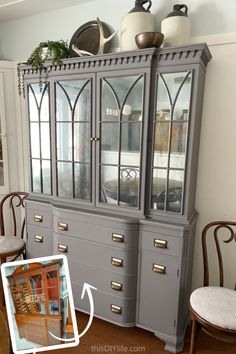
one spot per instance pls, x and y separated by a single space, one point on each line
38 238
63 226
117 238
116 286
116 309
160 243
157 268
117 262
38 218
62 248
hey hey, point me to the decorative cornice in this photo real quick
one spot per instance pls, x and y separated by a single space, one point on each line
144 58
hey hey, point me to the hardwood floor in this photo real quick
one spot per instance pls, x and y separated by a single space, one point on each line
104 337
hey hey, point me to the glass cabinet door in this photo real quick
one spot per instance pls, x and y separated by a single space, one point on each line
120 126
40 144
170 141
73 132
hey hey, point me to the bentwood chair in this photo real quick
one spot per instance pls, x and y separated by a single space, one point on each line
213 308
12 225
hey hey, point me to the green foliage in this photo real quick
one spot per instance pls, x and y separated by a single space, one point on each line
49 50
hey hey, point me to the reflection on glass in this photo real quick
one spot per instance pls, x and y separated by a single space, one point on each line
82 142
46 176
64 141
178 145
109 104
36 180
82 110
175 188
109 184
64 178
72 88
162 101
44 110
82 181
34 137
122 86
1 174
45 141
129 186
38 102
130 144
109 143
38 294
161 144
159 188
181 110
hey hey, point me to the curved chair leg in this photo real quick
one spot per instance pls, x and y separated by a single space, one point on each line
193 336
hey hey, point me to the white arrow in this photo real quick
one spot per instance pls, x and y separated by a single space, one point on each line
86 287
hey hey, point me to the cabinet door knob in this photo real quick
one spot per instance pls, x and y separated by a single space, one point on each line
62 226
38 238
116 309
117 262
157 268
96 139
62 248
117 237
116 286
160 243
38 218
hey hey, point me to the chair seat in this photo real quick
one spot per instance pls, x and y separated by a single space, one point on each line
10 246
216 305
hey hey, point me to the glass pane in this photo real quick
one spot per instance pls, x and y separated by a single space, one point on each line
163 102
45 141
46 174
64 141
34 139
37 297
178 145
109 106
175 187
158 189
1 152
82 142
181 111
129 186
130 144
83 105
33 108
161 144
44 110
121 86
72 88
109 143
36 179
64 175
132 109
109 185
63 106
82 181
1 174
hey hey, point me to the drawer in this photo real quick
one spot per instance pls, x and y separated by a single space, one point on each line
160 243
105 281
39 243
96 229
104 305
40 214
77 250
158 292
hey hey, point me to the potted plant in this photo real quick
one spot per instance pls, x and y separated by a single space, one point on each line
49 50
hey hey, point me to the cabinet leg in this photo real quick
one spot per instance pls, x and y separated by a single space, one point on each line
173 344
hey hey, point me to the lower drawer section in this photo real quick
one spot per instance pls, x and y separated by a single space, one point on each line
105 281
111 308
38 242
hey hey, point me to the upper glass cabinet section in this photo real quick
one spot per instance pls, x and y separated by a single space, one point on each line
120 126
73 143
40 142
170 129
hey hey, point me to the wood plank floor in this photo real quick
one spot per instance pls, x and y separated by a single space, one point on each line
103 335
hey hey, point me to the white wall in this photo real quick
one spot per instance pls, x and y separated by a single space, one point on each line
216 187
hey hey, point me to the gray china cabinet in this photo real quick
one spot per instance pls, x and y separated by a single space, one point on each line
114 145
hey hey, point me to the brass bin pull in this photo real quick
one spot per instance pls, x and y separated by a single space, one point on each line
62 248
38 238
117 237
116 309
117 262
157 268
38 218
160 243
116 286
63 226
